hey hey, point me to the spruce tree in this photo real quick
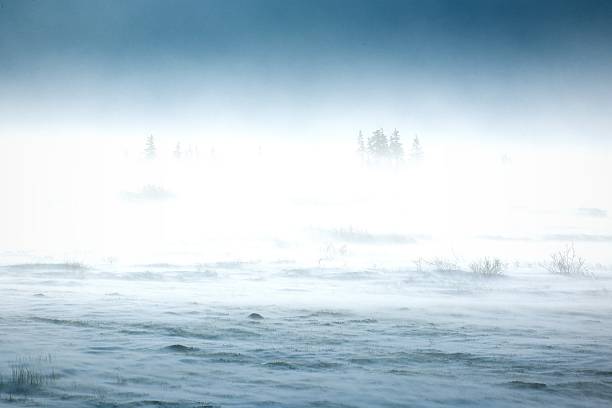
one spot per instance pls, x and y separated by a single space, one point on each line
417 150
396 150
177 151
361 143
150 149
361 149
378 145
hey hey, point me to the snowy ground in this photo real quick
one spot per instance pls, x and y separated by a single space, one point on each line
331 336
129 283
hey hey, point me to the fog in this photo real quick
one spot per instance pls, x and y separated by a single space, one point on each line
257 266
305 203
90 198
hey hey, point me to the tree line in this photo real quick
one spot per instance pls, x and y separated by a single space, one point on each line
379 148
150 150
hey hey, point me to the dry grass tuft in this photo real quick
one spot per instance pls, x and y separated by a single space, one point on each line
565 262
27 375
488 267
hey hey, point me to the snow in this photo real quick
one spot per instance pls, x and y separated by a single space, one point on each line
180 335
133 282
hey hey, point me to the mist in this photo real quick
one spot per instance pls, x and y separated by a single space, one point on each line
69 196
299 204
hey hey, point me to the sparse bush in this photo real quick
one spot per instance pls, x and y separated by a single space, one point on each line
566 262
488 267
443 265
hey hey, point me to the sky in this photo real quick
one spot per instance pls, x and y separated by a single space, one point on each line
496 70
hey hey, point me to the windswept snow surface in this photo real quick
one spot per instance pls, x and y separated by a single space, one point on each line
331 336
127 282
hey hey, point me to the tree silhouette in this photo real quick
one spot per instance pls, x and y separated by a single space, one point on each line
378 145
396 150
150 150
380 149
361 149
417 150
177 151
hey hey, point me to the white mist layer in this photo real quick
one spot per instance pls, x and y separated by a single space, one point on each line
93 199
296 276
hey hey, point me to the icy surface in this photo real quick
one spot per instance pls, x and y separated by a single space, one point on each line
329 336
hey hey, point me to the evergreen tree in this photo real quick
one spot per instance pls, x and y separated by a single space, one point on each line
177 151
150 149
361 149
417 150
378 145
396 150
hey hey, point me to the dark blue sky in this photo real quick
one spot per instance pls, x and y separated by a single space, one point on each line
473 52
433 34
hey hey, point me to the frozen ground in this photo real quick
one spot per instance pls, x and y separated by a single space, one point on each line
129 283
331 336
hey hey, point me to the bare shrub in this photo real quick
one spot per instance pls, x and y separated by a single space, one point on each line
488 267
443 265
566 262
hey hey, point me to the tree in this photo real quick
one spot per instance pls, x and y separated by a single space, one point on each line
177 151
378 145
417 150
361 149
396 150
150 149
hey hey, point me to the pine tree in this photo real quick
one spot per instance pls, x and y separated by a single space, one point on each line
417 150
378 145
150 149
177 151
361 149
396 150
